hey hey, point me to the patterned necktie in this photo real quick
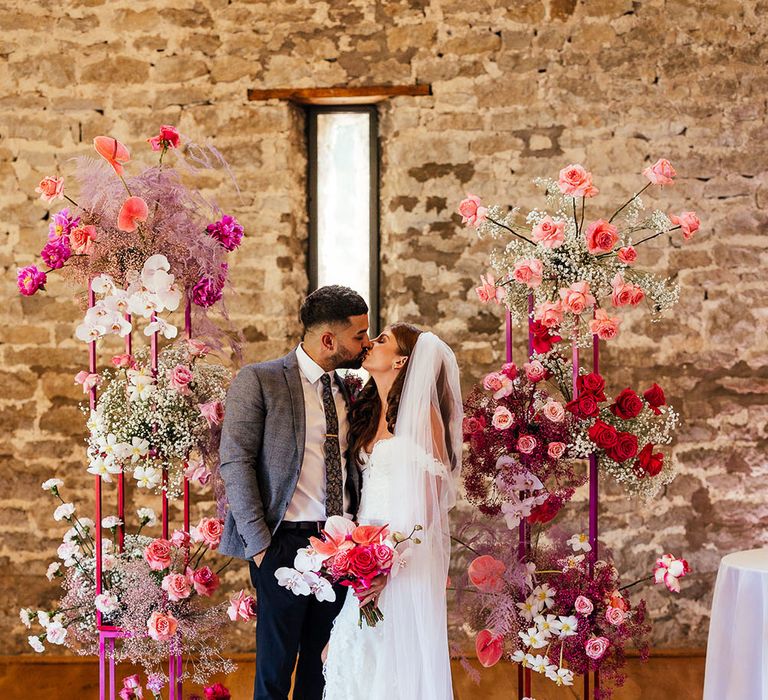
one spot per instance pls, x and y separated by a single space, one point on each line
334 503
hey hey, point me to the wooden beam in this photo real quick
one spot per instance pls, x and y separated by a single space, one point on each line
340 95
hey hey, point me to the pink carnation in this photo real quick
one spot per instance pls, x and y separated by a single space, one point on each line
661 172
549 233
472 212
528 271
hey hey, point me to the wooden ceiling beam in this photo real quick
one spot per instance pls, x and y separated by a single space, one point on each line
340 95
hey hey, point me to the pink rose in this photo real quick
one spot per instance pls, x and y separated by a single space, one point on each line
596 647
577 298
492 381
502 418
339 565
638 294
688 221
197 348
180 377
180 539
472 212
583 605
158 554
616 616
549 233
384 556
622 292
553 411
627 255
161 626
506 387
661 172
82 239
526 444
509 370
213 412
168 138
604 326
489 291
601 237
556 449
549 314
473 424
535 371
576 181
197 472
124 361
177 586
242 607
50 189
529 272
208 530
205 581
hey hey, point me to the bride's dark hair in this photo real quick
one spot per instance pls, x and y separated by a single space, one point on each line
365 412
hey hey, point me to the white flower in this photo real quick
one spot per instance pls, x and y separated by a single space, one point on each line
24 615
56 633
320 586
530 607
544 595
108 562
103 284
169 298
52 484
89 333
67 552
53 570
515 510
143 304
98 315
580 543
544 624
43 618
519 657
572 561
36 644
533 638
139 449
147 514
117 302
540 663
161 326
141 388
147 477
307 560
561 676
565 626
122 450
111 521
106 603
95 422
103 467
292 580
64 511
118 325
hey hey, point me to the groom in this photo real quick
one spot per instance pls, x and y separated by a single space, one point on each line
285 469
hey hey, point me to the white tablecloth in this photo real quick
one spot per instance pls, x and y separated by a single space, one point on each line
737 651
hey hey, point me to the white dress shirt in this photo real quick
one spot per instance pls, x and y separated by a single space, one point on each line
308 502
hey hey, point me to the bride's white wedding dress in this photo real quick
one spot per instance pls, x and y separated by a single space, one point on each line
405 656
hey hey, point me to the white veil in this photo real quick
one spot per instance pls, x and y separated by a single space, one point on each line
424 468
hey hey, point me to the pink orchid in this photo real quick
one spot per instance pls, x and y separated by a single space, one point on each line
669 570
133 211
111 150
88 380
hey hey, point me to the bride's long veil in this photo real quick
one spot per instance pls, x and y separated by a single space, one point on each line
426 459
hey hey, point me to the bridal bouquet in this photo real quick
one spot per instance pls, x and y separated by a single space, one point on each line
549 614
578 269
156 591
147 423
348 554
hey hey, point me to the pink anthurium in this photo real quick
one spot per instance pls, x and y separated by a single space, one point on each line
134 209
489 647
111 150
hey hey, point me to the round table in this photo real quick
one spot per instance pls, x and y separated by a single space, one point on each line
737 650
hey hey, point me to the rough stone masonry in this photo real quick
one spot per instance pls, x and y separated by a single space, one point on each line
519 90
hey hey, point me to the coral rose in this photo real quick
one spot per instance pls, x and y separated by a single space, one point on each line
50 189
660 173
549 233
472 212
528 271
575 181
553 411
158 554
627 255
82 238
601 237
177 586
688 222
577 298
556 449
604 326
535 371
161 626
242 606
502 418
549 313
208 530
527 444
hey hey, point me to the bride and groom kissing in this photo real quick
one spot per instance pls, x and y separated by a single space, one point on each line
296 449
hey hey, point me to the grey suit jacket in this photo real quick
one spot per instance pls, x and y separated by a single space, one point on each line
262 450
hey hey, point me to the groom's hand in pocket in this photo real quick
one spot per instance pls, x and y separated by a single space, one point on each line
377 586
258 558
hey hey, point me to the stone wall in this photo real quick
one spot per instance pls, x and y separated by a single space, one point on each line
519 89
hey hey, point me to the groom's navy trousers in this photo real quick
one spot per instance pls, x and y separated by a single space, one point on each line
287 624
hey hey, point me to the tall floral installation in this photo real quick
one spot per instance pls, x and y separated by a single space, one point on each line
555 604
143 247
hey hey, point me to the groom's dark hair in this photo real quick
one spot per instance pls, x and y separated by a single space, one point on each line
331 304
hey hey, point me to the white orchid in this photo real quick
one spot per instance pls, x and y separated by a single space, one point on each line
143 304
147 477
89 333
292 580
119 325
515 510
117 302
321 587
160 326
103 284
98 314
307 560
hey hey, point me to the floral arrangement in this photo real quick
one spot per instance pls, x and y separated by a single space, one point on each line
348 554
577 269
119 224
149 422
155 590
550 614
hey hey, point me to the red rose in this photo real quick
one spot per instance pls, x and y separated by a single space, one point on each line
584 407
655 398
627 405
473 424
603 435
542 339
592 383
217 692
624 449
649 462
545 512
509 369
362 562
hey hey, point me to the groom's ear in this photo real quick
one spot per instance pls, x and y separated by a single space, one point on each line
328 341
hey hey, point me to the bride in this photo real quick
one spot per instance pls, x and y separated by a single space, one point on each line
405 431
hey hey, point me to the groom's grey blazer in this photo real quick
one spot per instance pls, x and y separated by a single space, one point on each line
262 450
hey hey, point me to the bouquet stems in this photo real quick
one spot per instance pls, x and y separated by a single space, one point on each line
371 613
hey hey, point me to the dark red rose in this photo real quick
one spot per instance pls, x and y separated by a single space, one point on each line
625 447
603 435
362 561
542 339
217 692
649 462
592 383
584 407
509 369
627 405
546 511
473 424
655 398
